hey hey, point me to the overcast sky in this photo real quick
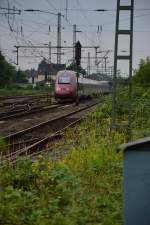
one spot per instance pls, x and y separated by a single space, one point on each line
32 28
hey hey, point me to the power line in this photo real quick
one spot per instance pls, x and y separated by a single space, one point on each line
86 10
86 19
48 1
10 11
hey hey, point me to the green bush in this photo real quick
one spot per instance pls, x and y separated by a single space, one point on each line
142 75
2 145
84 187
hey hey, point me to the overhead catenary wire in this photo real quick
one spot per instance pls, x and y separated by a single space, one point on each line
27 35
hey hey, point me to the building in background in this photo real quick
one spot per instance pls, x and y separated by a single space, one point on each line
45 73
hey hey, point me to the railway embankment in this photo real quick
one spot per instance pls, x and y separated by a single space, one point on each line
80 181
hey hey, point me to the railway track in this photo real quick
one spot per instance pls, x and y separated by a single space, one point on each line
15 102
2 98
34 140
29 119
27 111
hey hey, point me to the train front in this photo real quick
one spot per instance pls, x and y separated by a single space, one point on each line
65 85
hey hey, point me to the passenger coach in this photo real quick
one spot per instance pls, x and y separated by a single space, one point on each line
66 85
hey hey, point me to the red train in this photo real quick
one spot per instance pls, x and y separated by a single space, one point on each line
66 85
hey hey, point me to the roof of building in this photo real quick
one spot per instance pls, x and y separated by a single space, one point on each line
52 68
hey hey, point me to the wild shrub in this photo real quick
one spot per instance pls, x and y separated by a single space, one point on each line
85 186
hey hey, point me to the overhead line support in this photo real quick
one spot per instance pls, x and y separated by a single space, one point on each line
128 57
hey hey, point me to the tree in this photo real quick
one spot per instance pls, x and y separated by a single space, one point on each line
8 73
142 75
73 66
20 77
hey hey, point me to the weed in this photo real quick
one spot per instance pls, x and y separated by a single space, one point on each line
82 188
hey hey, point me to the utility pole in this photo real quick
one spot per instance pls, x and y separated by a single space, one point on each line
78 47
96 59
17 51
112 71
49 52
127 8
47 46
88 66
10 11
66 8
74 43
58 30
59 39
17 55
105 63
102 69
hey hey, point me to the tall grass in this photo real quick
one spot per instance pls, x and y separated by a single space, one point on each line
85 186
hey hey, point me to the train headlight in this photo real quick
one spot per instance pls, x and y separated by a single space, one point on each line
67 89
58 89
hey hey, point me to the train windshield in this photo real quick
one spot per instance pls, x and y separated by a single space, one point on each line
64 80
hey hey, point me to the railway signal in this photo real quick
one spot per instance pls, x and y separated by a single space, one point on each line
78 61
78 47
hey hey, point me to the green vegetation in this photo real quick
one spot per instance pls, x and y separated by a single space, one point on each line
8 74
74 67
142 75
82 188
76 190
25 90
2 145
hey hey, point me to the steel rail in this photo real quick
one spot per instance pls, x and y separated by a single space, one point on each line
39 146
24 96
22 132
22 112
41 143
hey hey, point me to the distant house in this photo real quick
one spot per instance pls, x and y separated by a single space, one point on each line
47 72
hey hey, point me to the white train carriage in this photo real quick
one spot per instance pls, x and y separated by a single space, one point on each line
88 86
66 86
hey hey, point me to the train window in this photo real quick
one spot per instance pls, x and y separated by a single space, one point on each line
64 80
